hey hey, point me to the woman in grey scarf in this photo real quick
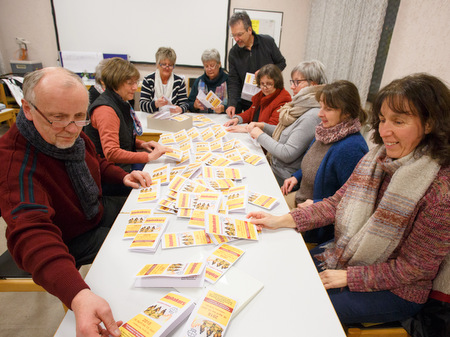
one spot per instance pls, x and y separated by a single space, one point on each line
287 142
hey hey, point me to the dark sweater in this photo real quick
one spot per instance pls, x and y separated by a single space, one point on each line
264 51
43 212
215 85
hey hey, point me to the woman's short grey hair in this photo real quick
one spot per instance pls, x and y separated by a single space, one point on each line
211 55
313 71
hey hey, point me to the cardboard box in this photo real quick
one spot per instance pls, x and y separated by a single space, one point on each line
168 124
23 67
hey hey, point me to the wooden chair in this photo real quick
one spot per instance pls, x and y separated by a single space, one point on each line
8 100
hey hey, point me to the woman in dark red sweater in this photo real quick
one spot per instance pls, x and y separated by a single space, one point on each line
266 103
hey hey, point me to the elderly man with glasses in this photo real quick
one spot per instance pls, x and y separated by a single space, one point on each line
51 197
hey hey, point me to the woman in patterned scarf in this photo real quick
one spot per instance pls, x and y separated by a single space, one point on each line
392 216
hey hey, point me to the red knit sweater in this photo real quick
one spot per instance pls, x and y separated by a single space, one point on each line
269 106
413 265
43 213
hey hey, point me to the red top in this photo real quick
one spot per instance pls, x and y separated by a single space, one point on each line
269 106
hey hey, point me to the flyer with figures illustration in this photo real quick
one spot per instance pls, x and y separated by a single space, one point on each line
160 318
210 316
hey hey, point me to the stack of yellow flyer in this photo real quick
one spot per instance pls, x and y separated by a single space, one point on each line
161 174
220 261
167 138
237 199
150 194
185 239
221 224
262 200
189 274
205 201
149 235
159 319
135 221
219 131
210 316
181 136
210 172
193 133
252 158
229 145
207 134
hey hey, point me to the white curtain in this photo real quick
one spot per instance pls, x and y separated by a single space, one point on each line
344 36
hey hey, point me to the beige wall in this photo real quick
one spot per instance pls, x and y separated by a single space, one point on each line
420 41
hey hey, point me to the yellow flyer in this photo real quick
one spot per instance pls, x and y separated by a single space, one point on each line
150 194
216 145
149 235
221 224
220 261
159 318
261 200
229 145
177 170
210 317
161 174
180 136
185 239
197 219
191 170
207 134
186 145
237 199
234 156
252 159
180 118
219 131
193 133
167 138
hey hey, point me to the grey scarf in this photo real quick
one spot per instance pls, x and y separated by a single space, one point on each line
73 157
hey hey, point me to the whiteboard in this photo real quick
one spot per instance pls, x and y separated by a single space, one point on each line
139 27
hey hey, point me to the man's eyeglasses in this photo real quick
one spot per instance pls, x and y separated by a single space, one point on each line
166 66
297 82
237 35
62 124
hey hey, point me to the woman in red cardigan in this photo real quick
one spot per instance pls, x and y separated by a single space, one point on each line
266 103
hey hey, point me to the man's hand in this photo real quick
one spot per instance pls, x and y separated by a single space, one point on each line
269 221
231 111
288 185
231 122
90 310
334 278
137 179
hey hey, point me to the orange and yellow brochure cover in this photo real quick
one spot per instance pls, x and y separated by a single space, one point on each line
185 239
150 194
149 234
220 261
261 200
221 224
135 220
210 316
160 318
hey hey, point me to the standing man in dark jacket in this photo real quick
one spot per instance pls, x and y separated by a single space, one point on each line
248 55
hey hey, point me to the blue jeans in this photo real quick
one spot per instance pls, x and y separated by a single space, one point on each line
367 307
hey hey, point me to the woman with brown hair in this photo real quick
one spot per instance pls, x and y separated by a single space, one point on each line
392 216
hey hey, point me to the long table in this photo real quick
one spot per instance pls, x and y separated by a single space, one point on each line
293 301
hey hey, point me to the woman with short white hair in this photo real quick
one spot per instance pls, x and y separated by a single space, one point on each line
214 79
